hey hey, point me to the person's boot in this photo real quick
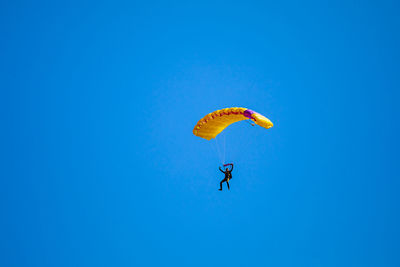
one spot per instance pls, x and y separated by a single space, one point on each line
220 189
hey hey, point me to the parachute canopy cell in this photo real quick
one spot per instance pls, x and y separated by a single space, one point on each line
214 123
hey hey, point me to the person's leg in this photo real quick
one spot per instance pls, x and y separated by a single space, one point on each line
220 184
227 183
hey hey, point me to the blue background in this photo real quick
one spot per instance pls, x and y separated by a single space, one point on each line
99 166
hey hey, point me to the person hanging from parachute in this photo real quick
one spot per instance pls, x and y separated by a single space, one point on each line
228 175
215 122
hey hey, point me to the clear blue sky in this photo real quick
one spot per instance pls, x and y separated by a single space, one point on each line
99 166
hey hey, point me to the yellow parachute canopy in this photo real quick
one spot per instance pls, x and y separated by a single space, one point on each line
214 123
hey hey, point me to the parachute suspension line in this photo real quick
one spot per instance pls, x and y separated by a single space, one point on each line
224 149
214 149
219 153
251 123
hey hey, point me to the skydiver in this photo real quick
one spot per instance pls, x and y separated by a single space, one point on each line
228 175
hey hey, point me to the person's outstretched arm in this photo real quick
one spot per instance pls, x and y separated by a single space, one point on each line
221 169
231 166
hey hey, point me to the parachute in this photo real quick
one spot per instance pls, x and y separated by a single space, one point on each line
214 123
